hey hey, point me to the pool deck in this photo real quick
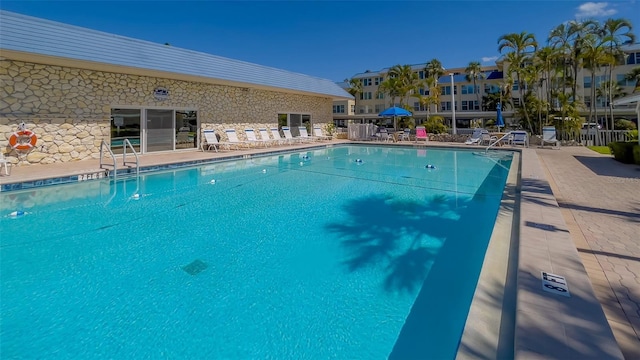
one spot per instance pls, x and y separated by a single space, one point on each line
579 218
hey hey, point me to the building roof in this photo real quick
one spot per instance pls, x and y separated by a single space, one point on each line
44 37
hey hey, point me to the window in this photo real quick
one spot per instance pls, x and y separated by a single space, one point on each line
380 96
633 58
338 109
379 108
622 80
445 90
465 106
467 89
421 74
445 105
353 108
377 80
365 95
515 85
587 101
516 101
587 82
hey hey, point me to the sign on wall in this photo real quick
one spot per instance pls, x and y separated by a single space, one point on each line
161 93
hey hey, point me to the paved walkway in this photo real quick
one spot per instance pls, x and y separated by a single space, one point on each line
600 202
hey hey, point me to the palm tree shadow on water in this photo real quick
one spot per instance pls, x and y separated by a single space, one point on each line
427 246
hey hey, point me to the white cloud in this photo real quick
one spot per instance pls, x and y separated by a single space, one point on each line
594 10
487 59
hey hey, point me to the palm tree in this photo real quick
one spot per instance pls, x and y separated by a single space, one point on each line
434 70
634 75
594 56
355 89
392 87
408 79
616 32
558 40
519 44
474 72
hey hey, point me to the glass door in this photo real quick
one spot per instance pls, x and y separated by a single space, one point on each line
160 130
125 124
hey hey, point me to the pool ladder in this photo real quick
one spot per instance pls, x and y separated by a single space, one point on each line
497 141
126 144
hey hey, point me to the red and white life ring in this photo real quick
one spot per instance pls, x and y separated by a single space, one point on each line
23 140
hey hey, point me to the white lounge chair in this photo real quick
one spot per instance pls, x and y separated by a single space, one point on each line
4 162
549 136
305 135
264 135
317 132
252 139
276 136
520 138
289 137
211 140
233 139
476 137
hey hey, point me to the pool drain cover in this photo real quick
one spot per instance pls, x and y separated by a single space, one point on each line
196 267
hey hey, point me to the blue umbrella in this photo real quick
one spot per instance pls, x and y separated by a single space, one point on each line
395 111
499 119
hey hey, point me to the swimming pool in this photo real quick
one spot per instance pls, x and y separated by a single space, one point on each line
304 255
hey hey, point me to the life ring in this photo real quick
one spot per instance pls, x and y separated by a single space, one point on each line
17 140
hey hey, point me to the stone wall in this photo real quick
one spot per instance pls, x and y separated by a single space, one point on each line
69 108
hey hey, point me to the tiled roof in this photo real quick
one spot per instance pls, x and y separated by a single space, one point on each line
44 37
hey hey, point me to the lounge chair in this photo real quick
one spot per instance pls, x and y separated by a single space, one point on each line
520 138
276 136
317 132
289 137
4 162
549 136
421 134
405 135
383 134
305 135
252 139
486 138
264 135
211 140
233 139
476 137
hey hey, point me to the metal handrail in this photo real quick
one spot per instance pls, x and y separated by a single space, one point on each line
126 143
113 157
497 141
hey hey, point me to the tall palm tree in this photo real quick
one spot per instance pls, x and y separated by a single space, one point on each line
558 40
355 88
391 86
616 32
545 58
409 81
474 73
594 56
519 44
434 70
634 75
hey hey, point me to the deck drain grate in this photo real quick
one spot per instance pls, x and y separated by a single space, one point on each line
195 267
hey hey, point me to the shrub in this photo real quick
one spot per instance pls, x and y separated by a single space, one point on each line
623 151
636 154
623 124
434 125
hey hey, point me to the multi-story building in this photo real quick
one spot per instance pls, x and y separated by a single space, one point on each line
459 97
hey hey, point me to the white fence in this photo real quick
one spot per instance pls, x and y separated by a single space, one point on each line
590 137
362 131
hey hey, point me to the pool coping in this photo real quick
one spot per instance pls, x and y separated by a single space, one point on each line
511 323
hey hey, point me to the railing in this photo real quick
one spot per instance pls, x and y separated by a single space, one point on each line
127 144
103 145
361 131
594 137
497 141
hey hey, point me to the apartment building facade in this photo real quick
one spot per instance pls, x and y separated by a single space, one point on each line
460 99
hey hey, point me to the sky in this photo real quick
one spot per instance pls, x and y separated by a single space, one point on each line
333 40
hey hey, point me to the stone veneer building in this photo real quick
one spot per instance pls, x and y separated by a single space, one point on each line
75 88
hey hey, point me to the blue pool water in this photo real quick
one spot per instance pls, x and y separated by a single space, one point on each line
306 255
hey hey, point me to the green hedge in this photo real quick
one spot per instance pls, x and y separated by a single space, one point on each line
626 152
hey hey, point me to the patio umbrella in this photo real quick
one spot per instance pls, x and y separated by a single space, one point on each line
499 119
395 111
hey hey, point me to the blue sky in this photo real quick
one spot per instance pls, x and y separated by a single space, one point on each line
330 39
